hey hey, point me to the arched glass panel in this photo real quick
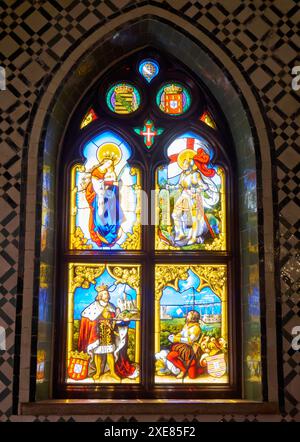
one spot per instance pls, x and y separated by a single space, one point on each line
105 197
190 193
173 99
123 98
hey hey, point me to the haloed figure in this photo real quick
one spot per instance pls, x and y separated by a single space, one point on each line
102 194
190 221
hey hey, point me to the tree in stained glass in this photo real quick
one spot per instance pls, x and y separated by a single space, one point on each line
191 324
190 198
88 118
105 197
103 335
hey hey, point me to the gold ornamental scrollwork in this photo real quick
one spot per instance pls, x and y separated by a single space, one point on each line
169 275
133 241
84 276
210 275
78 241
214 276
126 275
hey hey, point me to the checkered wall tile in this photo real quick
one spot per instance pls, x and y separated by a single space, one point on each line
261 36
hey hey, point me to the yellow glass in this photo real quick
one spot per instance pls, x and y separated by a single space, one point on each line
191 325
105 197
103 324
190 198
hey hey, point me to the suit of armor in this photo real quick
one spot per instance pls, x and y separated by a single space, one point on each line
188 212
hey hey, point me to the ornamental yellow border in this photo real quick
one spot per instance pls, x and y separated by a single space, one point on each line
219 243
84 277
134 240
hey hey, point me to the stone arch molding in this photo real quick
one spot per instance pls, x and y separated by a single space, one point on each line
149 25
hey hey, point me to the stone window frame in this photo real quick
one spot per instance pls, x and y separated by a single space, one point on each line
236 97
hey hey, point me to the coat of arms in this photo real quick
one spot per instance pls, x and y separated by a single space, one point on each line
78 365
173 99
216 365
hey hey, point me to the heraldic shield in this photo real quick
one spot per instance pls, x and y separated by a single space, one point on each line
216 365
78 366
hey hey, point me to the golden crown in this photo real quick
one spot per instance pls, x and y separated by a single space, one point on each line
109 151
101 288
79 355
123 89
108 155
173 89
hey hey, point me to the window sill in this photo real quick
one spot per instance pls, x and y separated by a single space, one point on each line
146 406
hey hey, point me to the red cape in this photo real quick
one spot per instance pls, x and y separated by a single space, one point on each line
87 333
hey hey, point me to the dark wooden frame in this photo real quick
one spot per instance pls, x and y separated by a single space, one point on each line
148 161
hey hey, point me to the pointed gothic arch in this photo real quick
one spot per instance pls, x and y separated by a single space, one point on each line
248 130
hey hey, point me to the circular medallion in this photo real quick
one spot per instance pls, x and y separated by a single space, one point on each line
173 99
123 98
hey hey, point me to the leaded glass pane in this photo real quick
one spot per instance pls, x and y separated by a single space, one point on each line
191 324
190 198
105 197
103 336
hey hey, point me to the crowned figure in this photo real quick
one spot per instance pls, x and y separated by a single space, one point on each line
102 195
105 339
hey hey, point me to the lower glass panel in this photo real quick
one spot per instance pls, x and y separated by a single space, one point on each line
103 335
191 324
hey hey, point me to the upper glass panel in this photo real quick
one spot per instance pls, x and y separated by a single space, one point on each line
123 98
190 198
173 99
105 197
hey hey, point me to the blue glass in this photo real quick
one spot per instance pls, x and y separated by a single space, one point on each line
105 205
149 69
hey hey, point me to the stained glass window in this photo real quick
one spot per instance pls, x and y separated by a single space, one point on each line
103 337
190 194
145 279
105 197
190 324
